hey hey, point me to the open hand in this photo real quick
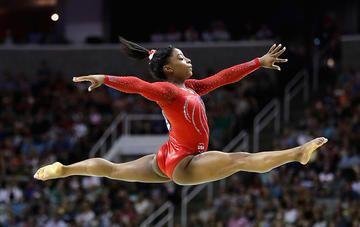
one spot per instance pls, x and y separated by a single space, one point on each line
95 80
272 57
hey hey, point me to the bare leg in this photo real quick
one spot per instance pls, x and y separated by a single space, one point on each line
140 170
216 165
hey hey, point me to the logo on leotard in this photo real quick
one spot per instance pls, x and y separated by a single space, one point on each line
201 147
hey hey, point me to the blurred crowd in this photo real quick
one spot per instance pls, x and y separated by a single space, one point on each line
216 31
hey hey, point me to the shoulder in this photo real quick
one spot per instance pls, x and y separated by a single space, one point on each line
168 91
190 83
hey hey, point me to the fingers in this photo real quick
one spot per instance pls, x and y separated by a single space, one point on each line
272 48
276 67
280 60
82 78
94 83
93 86
276 49
278 53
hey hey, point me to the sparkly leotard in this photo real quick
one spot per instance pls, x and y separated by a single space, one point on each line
183 109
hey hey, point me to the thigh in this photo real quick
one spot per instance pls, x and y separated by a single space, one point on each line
204 167
142 169
209 159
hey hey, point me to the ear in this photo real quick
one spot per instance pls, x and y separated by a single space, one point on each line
167 69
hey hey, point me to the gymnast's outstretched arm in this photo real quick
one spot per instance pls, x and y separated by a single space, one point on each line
157 92
237 72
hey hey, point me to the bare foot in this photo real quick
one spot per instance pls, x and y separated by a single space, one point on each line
308 148
48 172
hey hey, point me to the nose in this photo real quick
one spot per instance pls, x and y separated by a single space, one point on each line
188 60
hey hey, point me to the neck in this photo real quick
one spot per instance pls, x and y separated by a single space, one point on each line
177 82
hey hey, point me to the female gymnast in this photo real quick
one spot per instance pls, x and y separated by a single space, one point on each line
184 158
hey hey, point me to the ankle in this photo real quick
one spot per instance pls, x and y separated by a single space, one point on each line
64 170
297 154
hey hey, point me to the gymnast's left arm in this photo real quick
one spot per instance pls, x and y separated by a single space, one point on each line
237 72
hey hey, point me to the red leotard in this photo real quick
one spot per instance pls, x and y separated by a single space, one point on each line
183 109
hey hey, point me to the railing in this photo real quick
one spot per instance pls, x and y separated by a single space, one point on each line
112 132
242 141
108 138
168 218
242 137
300 81
270 112
138 117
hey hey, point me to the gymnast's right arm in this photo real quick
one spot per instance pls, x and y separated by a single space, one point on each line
158 91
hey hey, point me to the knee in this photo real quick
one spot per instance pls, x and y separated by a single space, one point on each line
245 161
239 159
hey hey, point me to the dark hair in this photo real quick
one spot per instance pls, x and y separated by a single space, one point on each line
160 58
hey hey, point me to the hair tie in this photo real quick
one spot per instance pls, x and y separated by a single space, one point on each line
151 54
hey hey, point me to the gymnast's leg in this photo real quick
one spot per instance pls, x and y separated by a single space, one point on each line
141 170
216 165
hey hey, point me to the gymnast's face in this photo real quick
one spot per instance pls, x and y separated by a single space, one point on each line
179 66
